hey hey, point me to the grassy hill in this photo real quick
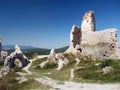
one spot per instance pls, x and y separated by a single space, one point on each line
62 49
89 73
89 70
9 47
39 51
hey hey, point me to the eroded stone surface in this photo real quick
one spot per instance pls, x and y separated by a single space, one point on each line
88 23
51 57
88 41
17 58
61 60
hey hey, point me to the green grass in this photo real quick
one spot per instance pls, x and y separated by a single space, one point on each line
10 83
31 84
94 73
90 74
39 61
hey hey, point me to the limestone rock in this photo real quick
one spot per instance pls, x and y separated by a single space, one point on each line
60 64
61 60
66 61
77 62
16 58
107 69
51 57
59 56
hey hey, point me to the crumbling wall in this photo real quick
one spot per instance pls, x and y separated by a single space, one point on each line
76 36
88 23
100 43
107 36
87 41
75 40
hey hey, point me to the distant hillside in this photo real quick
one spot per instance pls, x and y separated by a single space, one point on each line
40 51
62 49
29 51
9 47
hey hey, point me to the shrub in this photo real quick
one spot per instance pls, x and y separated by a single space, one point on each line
50 65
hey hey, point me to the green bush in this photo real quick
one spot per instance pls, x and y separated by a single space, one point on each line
50 65
106 63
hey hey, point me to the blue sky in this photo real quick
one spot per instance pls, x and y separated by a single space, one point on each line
47 23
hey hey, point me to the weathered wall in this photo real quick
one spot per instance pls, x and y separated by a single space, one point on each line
101 43
75 36
88 23
106 36
98 43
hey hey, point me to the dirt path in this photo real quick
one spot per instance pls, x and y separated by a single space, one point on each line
76 86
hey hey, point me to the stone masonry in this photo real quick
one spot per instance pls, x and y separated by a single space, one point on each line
87 41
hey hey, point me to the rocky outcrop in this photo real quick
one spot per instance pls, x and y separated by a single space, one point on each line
87 41
51 57
17 58
62 60
54 58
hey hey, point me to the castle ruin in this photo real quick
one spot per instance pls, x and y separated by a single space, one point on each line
85 40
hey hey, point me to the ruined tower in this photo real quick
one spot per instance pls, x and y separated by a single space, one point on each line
88 23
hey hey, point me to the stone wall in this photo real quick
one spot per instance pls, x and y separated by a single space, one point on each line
75 36
88 23
87 41
106 36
